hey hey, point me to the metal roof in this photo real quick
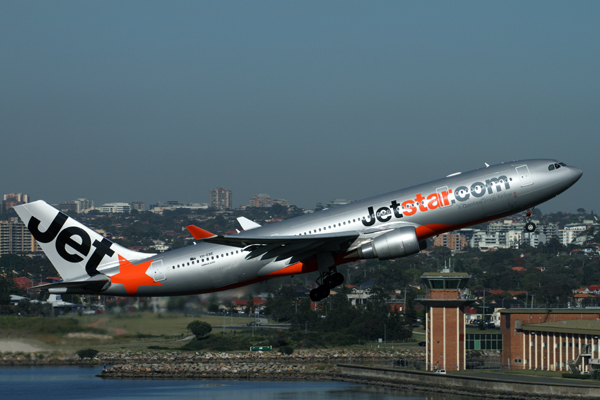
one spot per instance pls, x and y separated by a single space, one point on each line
578 326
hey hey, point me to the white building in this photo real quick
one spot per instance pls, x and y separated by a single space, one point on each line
566 236
485 240
115 208
83 205
358 297
175 205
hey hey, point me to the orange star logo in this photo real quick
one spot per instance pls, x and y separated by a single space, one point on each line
133 276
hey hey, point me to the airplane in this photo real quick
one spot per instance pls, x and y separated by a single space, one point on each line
388 226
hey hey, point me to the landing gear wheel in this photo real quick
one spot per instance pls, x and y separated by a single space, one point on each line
530 227
319 293
334 280
314 295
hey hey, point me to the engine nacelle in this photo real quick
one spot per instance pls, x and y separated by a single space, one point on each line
400 242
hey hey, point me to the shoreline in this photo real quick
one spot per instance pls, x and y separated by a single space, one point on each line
367 367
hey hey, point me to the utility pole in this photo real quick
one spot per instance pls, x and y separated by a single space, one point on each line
384 334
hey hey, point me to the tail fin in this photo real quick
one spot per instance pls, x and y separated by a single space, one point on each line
76 251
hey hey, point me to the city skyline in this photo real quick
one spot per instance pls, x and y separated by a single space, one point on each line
305 101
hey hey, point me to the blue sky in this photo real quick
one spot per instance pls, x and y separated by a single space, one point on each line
307 101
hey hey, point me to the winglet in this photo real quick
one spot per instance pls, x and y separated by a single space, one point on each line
247 224
199 233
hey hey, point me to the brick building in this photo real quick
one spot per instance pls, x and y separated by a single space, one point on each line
445 322
453 241
13 199
550 339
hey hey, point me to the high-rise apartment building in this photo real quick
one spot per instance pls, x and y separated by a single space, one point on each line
15 238
84 205
220 199
14 199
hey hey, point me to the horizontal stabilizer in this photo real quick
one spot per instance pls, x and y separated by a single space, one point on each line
199 233
96 283
247 224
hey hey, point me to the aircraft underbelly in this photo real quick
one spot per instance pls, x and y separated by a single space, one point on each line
223 275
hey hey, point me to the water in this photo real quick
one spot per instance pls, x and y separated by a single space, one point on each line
65 383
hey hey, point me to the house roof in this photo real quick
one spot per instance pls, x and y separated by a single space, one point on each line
244 302
583 296
517 292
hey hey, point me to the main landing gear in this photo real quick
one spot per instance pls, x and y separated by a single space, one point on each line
326 281
529 226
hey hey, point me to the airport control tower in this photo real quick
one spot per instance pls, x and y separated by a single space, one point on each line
445 323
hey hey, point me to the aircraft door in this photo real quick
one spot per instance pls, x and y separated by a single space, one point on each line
524 175
158 272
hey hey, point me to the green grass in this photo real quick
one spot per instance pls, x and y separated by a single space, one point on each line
17 326
149 324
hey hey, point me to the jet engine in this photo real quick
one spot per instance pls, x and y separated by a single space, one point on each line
400 242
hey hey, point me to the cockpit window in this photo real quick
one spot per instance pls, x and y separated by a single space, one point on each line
556 166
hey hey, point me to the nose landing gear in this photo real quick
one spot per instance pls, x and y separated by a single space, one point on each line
326 281
529 226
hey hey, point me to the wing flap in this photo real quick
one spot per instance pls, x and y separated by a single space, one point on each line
241 240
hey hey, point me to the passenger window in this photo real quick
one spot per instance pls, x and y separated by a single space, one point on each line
173 267
188 264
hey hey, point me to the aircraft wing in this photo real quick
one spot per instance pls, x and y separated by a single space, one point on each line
282 247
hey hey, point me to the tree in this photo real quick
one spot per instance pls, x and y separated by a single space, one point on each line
200 329
213 303
282 305
410 314
249 305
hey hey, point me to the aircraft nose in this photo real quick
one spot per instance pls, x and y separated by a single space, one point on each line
574 174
